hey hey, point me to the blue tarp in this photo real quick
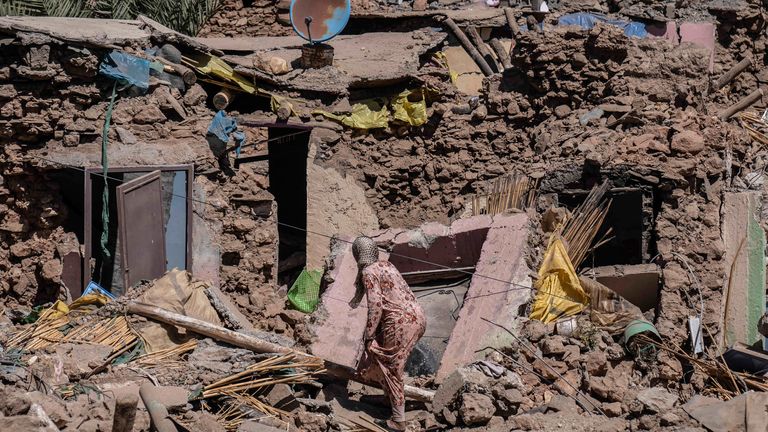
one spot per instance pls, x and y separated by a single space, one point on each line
126 69
588 20
222 125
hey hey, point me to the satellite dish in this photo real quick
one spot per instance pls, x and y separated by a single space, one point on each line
319 20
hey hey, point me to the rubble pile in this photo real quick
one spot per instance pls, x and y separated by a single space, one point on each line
683 189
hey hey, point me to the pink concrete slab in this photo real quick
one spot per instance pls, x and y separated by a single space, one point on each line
667 30
339 330
702 35
498 299
338 327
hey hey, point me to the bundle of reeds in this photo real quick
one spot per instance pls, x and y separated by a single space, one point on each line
514 191
50 330
44 332
755 126
165 357
115 332
583 225
263 374
724 382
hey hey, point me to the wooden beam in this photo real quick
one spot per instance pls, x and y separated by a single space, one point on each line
501 53
742 104
474 37
249 342
733 73
468 47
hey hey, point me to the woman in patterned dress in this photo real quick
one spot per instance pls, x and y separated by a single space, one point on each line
395 323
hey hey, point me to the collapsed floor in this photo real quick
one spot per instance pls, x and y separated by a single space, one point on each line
577 109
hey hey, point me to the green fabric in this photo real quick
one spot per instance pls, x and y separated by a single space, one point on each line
305 292
105 168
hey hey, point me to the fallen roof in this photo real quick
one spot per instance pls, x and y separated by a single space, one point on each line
368 60
84 30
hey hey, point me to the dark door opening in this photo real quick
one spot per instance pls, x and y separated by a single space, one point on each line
625 219
288 152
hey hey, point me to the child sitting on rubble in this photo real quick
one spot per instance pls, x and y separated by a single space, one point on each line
395 323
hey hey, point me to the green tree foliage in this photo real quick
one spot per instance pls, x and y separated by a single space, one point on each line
185 16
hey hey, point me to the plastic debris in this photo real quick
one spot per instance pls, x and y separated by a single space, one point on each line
126 69
222 126
589 20
305 292
559 292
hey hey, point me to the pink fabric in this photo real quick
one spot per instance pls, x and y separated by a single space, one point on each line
395 323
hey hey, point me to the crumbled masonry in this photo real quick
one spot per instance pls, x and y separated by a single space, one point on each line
681 243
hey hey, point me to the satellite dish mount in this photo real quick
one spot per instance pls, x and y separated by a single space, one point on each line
318 21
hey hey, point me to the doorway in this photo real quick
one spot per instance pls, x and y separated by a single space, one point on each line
288 149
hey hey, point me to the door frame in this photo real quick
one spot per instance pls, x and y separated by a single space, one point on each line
88 210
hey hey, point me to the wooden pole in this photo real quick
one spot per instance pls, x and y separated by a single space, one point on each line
512 22
252 343
733 73
501 53
742 104
222 99
474 37
471 50
125 412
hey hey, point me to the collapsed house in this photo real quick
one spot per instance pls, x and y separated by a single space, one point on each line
415 139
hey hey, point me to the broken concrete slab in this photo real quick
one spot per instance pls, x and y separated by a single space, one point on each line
702 35
498 299
455 246
746 412
639 284
395 54
89 31
744 287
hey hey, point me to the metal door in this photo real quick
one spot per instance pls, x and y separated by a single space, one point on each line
141 228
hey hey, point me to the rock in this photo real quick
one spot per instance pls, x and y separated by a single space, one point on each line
52 270
172 397
525 422
596 363
563 404
449 416
80 359
461 379
22 250
562 111
281 397
612 409
149 114
476 409
657 399
688 142
125 136
552 346
22 423
310 422
13 403
670 419
536 330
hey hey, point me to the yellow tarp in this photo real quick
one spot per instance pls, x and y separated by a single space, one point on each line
374 113
216 67
559 292
413 113
365 115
